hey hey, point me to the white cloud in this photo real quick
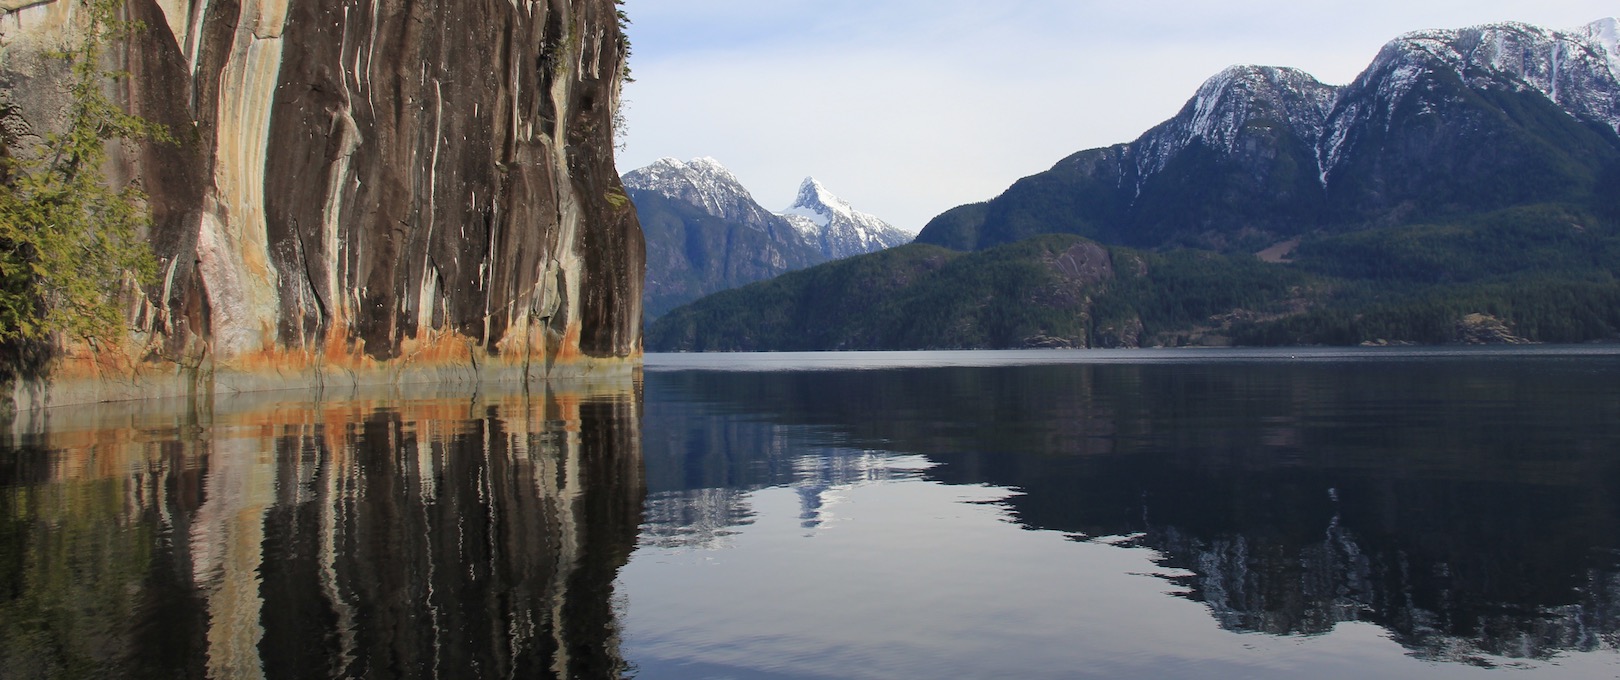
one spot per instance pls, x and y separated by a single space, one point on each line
908 108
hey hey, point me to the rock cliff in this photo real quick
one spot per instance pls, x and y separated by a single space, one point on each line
363 191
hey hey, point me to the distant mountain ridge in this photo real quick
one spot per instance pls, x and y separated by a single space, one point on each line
702 182
1461 189
1441 123
706 233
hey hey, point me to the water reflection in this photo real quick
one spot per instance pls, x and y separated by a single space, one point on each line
705 462
1465 505
393 537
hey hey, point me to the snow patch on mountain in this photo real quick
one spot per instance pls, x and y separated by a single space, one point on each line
1605 35
807 227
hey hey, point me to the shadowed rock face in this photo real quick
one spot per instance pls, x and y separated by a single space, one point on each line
376 187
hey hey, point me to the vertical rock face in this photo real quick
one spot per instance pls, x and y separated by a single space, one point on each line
378 187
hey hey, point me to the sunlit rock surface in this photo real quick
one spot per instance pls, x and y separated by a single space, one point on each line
364 191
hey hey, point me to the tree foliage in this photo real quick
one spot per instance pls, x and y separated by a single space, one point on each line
71 245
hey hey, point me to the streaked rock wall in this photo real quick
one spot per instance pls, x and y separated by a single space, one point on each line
364 191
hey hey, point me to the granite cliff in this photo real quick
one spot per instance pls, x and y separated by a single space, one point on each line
363 191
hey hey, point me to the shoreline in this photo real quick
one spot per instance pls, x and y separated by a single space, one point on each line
207 408
89 387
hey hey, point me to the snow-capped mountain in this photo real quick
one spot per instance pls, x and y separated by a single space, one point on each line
704 183
1427 73
1576 69
705 232
1442 122
1220 115
838 227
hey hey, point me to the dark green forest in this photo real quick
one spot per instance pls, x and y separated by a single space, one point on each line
1547 271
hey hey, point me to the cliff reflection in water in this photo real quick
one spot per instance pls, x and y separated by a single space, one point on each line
446 537
1464 505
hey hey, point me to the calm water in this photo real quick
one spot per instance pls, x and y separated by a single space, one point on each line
1148 514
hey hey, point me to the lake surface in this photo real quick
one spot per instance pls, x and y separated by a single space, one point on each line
1428 513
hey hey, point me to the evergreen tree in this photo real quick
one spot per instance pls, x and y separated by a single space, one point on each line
71 245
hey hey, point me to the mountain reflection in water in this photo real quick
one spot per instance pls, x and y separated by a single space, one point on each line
458 536
1466 505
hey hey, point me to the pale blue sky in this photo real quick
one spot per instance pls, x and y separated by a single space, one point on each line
907 108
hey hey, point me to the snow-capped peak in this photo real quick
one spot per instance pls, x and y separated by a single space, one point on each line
843 230
1220 114
702 182
1227 101
666 170
820 218
1577 70
708 165
820 205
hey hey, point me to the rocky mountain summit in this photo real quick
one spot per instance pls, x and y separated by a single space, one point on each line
704 183
838 227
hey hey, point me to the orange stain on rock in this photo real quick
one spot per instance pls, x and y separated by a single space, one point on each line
85 374
569 351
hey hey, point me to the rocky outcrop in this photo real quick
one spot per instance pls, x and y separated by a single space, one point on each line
1484 329
363 191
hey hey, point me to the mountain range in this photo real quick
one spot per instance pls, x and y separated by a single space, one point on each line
706 233
1442 123
1464 172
